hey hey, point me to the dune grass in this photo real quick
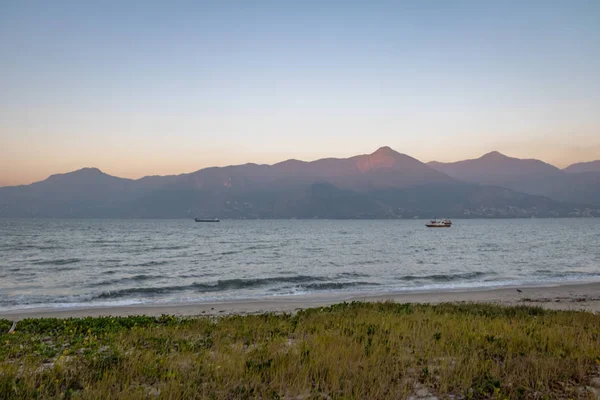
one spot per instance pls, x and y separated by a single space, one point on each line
350 350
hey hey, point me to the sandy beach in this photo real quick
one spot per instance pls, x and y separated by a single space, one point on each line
578 297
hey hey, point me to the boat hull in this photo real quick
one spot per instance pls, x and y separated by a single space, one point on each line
206 220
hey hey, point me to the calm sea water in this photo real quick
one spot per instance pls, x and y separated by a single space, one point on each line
69 263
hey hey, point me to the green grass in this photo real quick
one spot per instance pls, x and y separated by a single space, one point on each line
355 350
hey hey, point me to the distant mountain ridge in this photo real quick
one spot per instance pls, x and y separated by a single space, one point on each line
383 184
497 165
528 176
383 168
592 166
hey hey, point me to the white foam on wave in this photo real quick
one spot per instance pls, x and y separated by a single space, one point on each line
299 292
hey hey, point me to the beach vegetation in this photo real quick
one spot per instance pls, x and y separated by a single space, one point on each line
345 351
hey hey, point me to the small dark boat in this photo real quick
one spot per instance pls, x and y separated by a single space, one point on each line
207 220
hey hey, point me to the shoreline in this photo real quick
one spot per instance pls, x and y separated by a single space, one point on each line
570 296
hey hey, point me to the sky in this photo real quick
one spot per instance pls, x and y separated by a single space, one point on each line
154 87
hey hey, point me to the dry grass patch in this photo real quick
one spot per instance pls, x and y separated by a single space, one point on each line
355 350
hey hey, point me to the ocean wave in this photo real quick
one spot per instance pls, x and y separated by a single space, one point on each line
61 261
215 286
230 252
128 296
353 274
39 300
105 241
128 279
336 285
203 275
30 247
151 263
110 272
311 249
444 277
62 269
368 262
576 274
262 247
175 247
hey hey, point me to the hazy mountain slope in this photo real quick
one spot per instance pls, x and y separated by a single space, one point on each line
583 188
530 176
85 192
469 200
592 166
527 176
383 168
324 200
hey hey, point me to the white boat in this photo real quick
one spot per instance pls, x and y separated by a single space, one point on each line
444 223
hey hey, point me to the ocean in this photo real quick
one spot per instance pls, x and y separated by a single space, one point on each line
88 263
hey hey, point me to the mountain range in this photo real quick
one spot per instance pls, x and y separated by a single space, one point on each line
384 184
578 183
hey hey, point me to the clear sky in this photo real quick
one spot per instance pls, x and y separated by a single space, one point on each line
141 87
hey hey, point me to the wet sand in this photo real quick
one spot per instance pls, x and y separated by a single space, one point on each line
578 297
